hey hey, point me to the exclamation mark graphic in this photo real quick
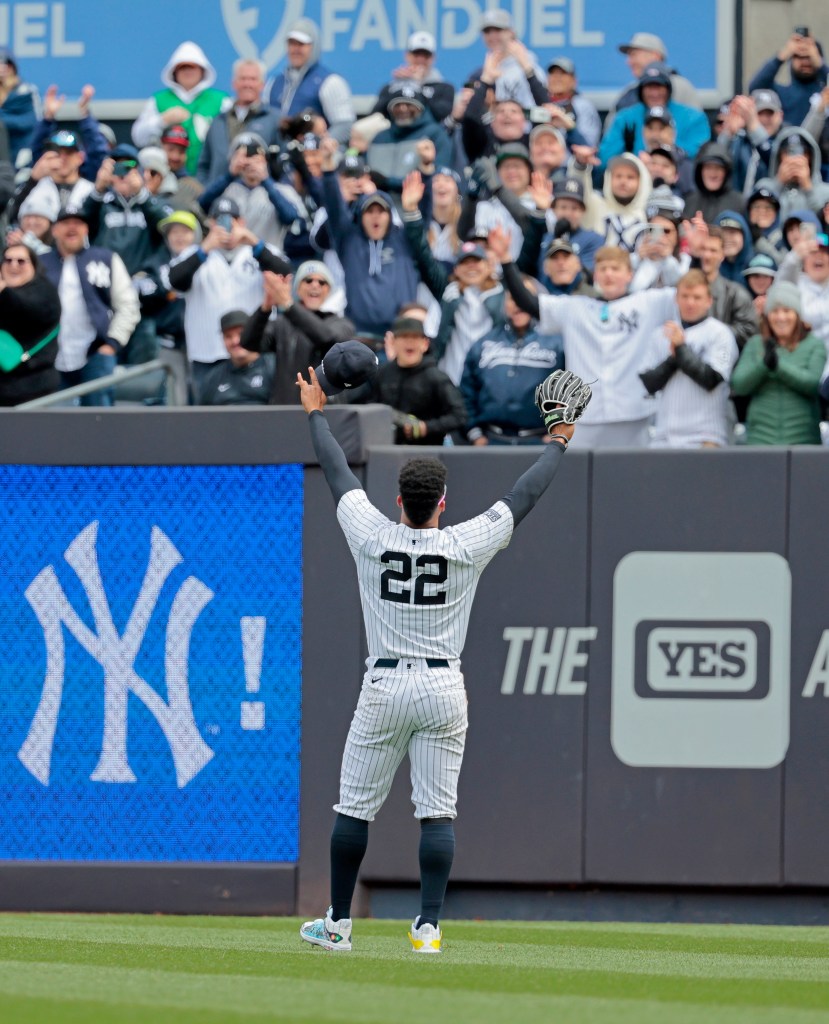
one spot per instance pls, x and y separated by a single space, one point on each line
253 644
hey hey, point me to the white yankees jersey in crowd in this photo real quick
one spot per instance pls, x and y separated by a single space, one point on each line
610 343
417 586
687 415
226 280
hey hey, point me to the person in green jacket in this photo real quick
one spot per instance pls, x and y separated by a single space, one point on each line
780 369
188 99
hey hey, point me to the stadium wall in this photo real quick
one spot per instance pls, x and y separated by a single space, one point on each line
647 667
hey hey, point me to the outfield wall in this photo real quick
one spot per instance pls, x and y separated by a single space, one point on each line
647 666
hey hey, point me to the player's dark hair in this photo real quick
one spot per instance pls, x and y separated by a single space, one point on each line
422 484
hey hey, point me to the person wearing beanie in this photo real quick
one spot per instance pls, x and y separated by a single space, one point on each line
309 321
655 88
780 370
759 277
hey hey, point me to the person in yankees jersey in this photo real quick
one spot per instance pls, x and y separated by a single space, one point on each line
417 583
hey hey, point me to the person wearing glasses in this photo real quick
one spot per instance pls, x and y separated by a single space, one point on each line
30 312
309 321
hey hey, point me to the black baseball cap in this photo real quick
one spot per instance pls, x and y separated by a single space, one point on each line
659 114
63 139
346 365
408 325
569 188
562 244
72 213
234 318
353 167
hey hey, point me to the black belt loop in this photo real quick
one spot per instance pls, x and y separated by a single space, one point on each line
394 662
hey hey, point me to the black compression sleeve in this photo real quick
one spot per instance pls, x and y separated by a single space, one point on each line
531 485
338 476
697 369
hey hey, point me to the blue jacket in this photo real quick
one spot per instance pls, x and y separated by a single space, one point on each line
692 130
379 276
794 97
307 94
20 117
393 151
97 297
95 146
501 373
732 270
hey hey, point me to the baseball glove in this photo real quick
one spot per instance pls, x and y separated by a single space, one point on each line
561 398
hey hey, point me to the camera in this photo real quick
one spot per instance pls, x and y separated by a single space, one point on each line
253 149
802 30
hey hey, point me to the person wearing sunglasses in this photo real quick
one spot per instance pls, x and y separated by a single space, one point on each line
30 313
308 323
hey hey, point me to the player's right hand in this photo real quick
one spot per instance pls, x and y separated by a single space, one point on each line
311 395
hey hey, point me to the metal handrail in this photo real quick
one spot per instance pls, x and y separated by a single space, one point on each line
175 387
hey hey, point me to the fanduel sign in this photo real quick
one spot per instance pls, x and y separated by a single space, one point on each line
71 44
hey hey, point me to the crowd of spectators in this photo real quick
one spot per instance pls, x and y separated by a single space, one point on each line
476 235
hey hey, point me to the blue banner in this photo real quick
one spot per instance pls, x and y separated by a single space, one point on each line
122 51
150 663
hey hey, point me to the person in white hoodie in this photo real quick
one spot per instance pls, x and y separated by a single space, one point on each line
188 99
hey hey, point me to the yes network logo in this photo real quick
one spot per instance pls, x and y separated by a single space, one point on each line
701 660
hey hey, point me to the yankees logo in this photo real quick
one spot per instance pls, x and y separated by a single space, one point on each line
98 274
116 654
629 321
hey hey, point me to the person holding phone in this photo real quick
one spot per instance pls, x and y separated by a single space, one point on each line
221 273
808 70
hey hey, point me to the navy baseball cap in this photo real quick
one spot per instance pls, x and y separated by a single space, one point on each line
470 251
124 151
346 365
659 114
225 205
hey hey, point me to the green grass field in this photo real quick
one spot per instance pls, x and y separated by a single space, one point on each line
131 969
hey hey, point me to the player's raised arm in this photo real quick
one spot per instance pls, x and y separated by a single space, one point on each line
561 399
348 364
332 458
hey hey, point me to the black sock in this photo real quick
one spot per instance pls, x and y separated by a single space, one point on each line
349 839
437 850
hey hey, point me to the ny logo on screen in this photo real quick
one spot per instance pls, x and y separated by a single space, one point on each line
116 654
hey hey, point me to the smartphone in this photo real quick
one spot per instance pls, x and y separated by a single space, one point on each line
225 221
656 230
801 30
808 231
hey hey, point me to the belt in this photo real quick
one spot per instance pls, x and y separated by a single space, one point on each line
394 662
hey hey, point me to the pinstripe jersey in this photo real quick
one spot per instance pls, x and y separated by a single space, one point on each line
686 414
417 586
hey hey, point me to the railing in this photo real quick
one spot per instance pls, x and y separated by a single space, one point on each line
173 364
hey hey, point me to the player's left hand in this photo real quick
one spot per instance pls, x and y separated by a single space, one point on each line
311 395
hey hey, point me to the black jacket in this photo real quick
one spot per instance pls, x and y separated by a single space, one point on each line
29 313
300 338
422 391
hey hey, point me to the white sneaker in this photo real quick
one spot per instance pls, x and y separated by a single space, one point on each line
425 939
327 933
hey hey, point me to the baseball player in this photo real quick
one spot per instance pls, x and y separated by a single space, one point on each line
416 584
